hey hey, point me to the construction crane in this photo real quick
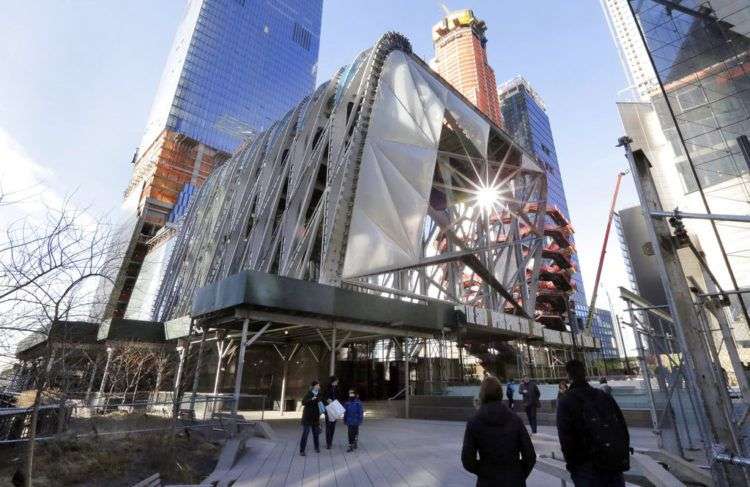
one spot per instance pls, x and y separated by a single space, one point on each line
592 306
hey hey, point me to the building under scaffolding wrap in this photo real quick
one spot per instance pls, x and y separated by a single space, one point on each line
384 186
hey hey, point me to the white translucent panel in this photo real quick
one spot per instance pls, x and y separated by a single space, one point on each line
406 121
396 172
375 198
423 106
408 160
476 128
369 249
432 95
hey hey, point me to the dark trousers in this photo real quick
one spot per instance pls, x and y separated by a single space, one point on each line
586 477
510 403
531 414
306 428
330 430
353 430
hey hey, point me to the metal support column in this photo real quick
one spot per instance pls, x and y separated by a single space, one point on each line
406 377
94 367
644 370
182 352
110 351
284 374
282 394
196 374
221 349
219 357
244 343
713 402
332 367
714 306
240 366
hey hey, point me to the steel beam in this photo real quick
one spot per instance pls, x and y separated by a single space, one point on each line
713 402
288 319
240 365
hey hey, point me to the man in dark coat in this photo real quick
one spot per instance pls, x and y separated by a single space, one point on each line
506 454
311 411
331 394
530 392
593 434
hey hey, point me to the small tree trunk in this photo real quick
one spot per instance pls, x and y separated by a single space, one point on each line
35 416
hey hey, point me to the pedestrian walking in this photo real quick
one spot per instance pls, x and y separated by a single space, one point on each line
593 434
353 417
312 408
331 394
603 386
530 393
509 391
562 388
498 436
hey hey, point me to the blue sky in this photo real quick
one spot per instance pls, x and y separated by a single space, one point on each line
78 78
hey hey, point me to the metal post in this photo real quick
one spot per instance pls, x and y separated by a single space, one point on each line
240 365
196 375
182 351
282 396
718 312
624 350
406 378
91 382
644 371
332 368
712 402
110 350
220 347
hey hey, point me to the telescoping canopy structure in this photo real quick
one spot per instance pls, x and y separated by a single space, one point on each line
385 181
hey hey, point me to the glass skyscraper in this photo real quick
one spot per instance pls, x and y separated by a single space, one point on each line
603 329
235 66
694 127
525 118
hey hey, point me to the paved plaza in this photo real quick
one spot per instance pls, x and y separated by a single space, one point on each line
394 452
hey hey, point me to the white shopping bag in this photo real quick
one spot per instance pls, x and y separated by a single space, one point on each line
335 410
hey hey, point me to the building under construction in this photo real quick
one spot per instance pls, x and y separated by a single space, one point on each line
384 230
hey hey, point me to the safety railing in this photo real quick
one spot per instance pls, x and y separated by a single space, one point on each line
112 415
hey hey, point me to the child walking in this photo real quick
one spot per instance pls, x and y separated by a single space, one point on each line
353 416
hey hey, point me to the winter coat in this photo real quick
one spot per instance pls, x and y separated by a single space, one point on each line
331 393
310 409
355 413
506 454
509 391
530 393
576 446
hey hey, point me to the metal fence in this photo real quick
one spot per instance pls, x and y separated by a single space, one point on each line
112 414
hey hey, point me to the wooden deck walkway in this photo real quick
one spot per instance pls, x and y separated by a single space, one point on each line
392 452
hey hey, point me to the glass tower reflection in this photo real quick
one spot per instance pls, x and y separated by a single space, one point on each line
526 119
235 66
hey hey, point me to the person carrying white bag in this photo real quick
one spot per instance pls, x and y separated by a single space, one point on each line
335 410
330 395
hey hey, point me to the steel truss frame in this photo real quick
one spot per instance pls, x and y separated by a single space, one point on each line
285 202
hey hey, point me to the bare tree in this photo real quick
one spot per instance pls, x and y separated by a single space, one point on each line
49 272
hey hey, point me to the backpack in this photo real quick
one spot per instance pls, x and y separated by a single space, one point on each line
605 430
